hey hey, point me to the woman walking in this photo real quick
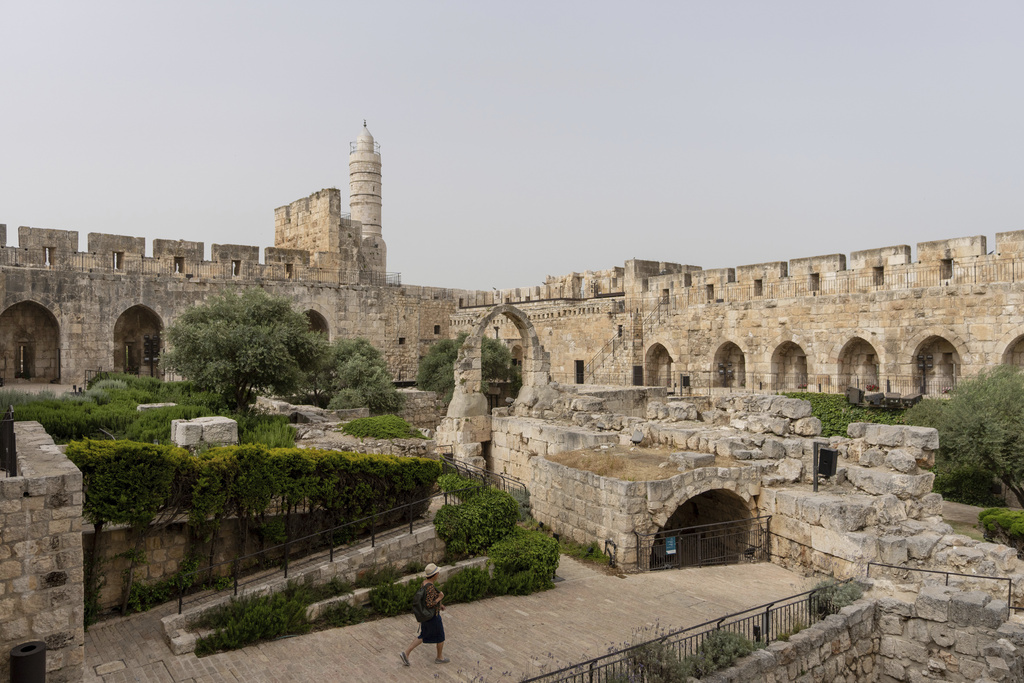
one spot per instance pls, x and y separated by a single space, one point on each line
431 630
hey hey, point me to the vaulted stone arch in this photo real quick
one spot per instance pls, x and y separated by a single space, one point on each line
858 364
1012 348
789 367
729 366
137 343
657 366
936 364
29 342
318 323
914 343
467 400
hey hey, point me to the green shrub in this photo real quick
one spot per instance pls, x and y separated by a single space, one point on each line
342 614
381 427
473 526
145 596
465 487
830 596
590 552
273 431
1004 526
377 577
392 599
154 426
468 585
967 484
836 413
720 650
249 620
524 562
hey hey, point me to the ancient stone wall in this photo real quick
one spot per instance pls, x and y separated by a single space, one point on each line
422 408
942 635
41 568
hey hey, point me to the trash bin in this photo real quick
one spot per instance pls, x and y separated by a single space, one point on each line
28 663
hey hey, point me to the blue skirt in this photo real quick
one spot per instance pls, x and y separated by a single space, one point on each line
432 630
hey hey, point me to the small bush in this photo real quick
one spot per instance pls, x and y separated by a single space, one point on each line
342 614
392 599
719 650
965 484
469 585
274 431
377 576
245 621
472 527
381 427
830 596
1004 526
526 550
144 596
590 552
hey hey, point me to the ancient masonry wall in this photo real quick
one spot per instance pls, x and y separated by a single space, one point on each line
41 569
944 635
422 408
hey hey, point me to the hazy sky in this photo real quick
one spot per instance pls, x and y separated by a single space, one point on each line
521 139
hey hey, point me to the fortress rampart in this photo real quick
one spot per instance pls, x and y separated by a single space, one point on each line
877 320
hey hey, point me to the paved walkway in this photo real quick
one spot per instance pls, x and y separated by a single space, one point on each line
495 639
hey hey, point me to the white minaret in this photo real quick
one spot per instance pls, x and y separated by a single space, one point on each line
364 183
364 198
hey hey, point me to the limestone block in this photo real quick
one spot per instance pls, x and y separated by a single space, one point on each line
901 461
921 437
693 460
218 430
932 603
656 411
883 435
790 469
683 410
186 433
143 407
856 430
903 486
920 545
872 457
968 608
855 546
793 408
890 509
892 550
846 513
772 450
807 426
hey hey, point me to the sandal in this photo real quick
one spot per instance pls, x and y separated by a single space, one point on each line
441 661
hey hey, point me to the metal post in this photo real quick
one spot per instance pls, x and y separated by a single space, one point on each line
814 470
286 559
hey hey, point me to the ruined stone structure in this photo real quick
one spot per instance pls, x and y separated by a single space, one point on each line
41 567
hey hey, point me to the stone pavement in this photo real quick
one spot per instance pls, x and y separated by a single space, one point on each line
496 639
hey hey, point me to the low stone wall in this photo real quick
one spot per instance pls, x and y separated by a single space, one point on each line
41 568
422 408
515 441
944 635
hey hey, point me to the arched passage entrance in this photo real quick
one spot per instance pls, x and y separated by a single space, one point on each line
658 367
1014 354
789 367
936 366
468 400
317 323
730 366
29 343
137 342
715 527
858 364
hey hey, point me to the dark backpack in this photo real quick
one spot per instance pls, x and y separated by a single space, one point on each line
419 606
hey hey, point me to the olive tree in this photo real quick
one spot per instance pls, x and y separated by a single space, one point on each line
241 345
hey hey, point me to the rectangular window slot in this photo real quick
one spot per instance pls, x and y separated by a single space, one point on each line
179 264
815 283
437 329
401 341
946 269
878 273
236 268
711 293
118 260
758 287
289 272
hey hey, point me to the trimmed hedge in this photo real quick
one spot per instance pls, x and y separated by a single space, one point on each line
836 413
528 558
1004 526
381 427
970 485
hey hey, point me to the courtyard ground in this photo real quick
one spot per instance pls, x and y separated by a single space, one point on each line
506 638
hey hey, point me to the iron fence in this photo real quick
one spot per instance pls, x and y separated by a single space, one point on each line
8 445
708 544
504 482
324 544
762 625
971 577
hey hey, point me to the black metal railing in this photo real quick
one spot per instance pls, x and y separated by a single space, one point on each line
8 445
1009 581
762 624
505 482
364 531
745 540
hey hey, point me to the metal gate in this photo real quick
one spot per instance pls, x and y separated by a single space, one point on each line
734 542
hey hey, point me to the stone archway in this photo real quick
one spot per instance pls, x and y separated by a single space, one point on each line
789 367
658 367
858 365
468 400
1014 353
517 355
29 343
936 364
137 342
318 323
699 532
729 368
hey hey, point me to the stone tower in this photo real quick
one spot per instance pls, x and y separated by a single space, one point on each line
364 198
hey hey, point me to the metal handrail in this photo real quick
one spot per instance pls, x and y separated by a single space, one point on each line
516 488
8 444
1009 588
763 621
407 507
